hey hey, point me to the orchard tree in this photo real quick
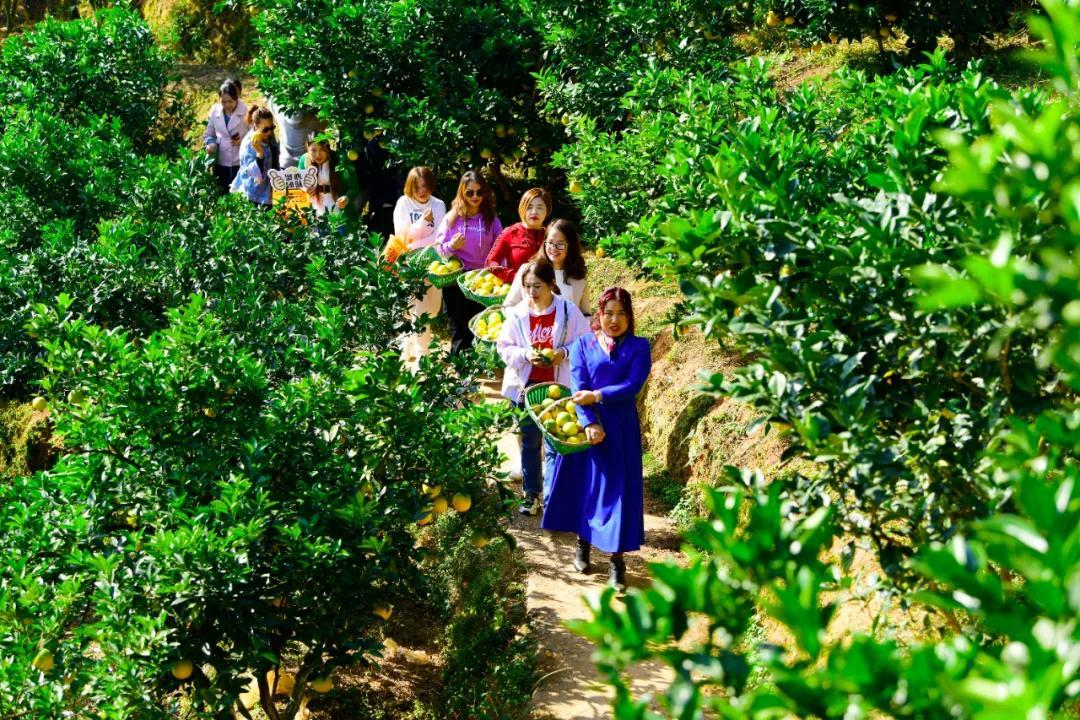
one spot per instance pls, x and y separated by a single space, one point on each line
596 50
448 85
1006 581
922 23
208 520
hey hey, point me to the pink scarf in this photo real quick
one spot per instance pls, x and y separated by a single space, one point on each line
606 342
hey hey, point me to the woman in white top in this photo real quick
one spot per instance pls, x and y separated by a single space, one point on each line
544 321
417 213
225 129
562 247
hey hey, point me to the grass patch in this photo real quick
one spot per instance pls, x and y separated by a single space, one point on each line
25 440
663 491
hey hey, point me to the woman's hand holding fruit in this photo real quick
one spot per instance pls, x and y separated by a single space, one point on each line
586 397
542 357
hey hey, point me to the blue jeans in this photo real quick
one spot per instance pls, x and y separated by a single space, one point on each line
533 481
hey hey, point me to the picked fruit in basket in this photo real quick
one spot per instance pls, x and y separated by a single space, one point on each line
559 418
489 327
444 267
488 285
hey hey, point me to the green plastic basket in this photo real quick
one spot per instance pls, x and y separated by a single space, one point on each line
539 392
422 258
463 281
480 316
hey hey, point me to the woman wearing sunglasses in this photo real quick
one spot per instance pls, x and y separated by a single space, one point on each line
258 156
468 231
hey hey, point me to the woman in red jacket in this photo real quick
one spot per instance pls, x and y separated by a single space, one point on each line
519 242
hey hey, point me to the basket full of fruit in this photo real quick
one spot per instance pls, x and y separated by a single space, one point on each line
550 407
440 272
487 325
483 287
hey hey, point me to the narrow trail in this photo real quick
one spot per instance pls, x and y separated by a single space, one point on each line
572 688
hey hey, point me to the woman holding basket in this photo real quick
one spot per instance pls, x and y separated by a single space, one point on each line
544 322
417 214
599 494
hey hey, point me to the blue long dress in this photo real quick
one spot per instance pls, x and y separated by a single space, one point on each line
599 493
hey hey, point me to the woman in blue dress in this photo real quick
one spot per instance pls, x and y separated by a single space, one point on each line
599 493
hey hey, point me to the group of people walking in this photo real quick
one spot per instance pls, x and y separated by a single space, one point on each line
596 494
243 142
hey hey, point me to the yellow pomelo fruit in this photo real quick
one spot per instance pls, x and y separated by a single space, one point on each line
182 669
43 661
462 502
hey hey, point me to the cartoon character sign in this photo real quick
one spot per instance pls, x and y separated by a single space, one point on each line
294 185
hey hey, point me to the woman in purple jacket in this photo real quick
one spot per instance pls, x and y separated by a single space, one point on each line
468 231
599 494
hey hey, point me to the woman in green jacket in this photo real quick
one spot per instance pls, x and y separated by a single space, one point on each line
336 188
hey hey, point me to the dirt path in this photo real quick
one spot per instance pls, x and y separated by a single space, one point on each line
571 688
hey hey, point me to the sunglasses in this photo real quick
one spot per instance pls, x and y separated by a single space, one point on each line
474 193
267 130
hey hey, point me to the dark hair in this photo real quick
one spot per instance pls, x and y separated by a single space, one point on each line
614 293
319 138
543 270
574 265
231 88
256 114
487 207
237 83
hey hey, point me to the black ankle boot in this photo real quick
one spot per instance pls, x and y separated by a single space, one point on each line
617 572
581 556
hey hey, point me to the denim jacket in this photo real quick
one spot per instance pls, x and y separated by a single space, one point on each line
252 178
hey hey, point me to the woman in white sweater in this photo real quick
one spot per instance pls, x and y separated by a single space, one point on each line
562 248
417 213
544 321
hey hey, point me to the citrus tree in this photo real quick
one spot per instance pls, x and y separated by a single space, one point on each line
212 518
765 208
107 65
920 22
1005 580
440 84
595 51
245 467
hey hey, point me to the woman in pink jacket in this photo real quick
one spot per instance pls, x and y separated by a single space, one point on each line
225 130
